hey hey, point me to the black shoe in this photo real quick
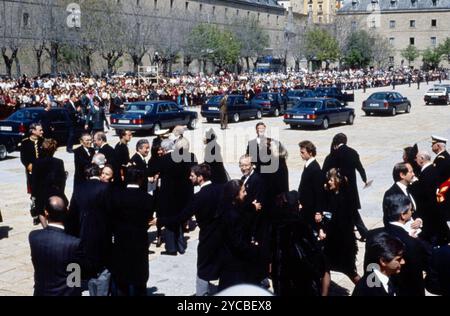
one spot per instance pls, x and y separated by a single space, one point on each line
151 252
169 253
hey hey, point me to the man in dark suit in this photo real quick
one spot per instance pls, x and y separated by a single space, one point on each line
311 187
30 151
258 148
347 160
139 160
403 176
410 281
83 157
435 229
442 160
101 146
131 213
74 113
52 251
90 220
384 260
122 155
96 117
204 206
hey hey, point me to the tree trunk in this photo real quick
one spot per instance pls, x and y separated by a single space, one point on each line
187 60
8 61
17 61
88 64
53 52
247 61
38 55
136 62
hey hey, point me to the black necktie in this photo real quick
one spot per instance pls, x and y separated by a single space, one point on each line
391 288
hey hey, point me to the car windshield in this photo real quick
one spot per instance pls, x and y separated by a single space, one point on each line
437 90
215 99
25 115
309 104
139 107
262 97
294 93
378 96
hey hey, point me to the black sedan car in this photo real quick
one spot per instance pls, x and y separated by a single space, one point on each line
386 102
272 103
319 112
335 93
237 108
15 128
153 115
296 95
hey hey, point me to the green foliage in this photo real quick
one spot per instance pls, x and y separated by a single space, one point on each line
358 49
252 37
410 53
321 46
208 42
444 49
431 58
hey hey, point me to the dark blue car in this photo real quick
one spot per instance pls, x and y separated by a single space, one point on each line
153 115
55 123
237 108
319 112
272 103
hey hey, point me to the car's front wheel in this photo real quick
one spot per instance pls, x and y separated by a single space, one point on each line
325 123
3 152
351 119
156 128
408 108
192 123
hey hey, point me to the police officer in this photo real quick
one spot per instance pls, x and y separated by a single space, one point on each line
442 160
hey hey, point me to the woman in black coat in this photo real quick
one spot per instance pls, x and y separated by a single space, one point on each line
49 178
213 157
241 251
340 243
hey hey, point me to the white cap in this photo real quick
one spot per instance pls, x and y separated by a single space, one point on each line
438 139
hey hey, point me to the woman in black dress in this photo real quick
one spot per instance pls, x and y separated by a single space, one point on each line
340 243
213 157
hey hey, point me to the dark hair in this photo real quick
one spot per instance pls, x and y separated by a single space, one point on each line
203 170
309 147
56 209
230 192
396 205
49 146
101 136
398 169
134 175
411 153
122 133
382 246
84 134
260 124
91 170
339 138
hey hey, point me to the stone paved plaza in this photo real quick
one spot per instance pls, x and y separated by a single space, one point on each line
378 139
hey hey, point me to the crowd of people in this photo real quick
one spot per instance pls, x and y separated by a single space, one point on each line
187 90
251 230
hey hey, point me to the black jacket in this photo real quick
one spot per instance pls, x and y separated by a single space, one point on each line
442 164
52 250
49 177
122 159
90 220
409 281
131 212
82 159
347 160
28 151
393 190
141 164
110 155
204 206
311 191
363 289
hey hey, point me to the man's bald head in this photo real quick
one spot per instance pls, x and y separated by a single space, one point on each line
56 209
422 158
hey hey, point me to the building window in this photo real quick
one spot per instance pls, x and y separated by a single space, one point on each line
434 3
237 12
155 2
258 15
214 10
433 22
412 23
26 18
414 3
392 24
433 41
373 24
277 20
411 41
393 3
391 40
391 59
138 3
248 13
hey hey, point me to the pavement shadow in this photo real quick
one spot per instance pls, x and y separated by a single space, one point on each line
9 158
4 231
337 290
151 291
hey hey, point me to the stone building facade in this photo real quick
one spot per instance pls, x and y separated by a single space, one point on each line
20 22
422 23
321 11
